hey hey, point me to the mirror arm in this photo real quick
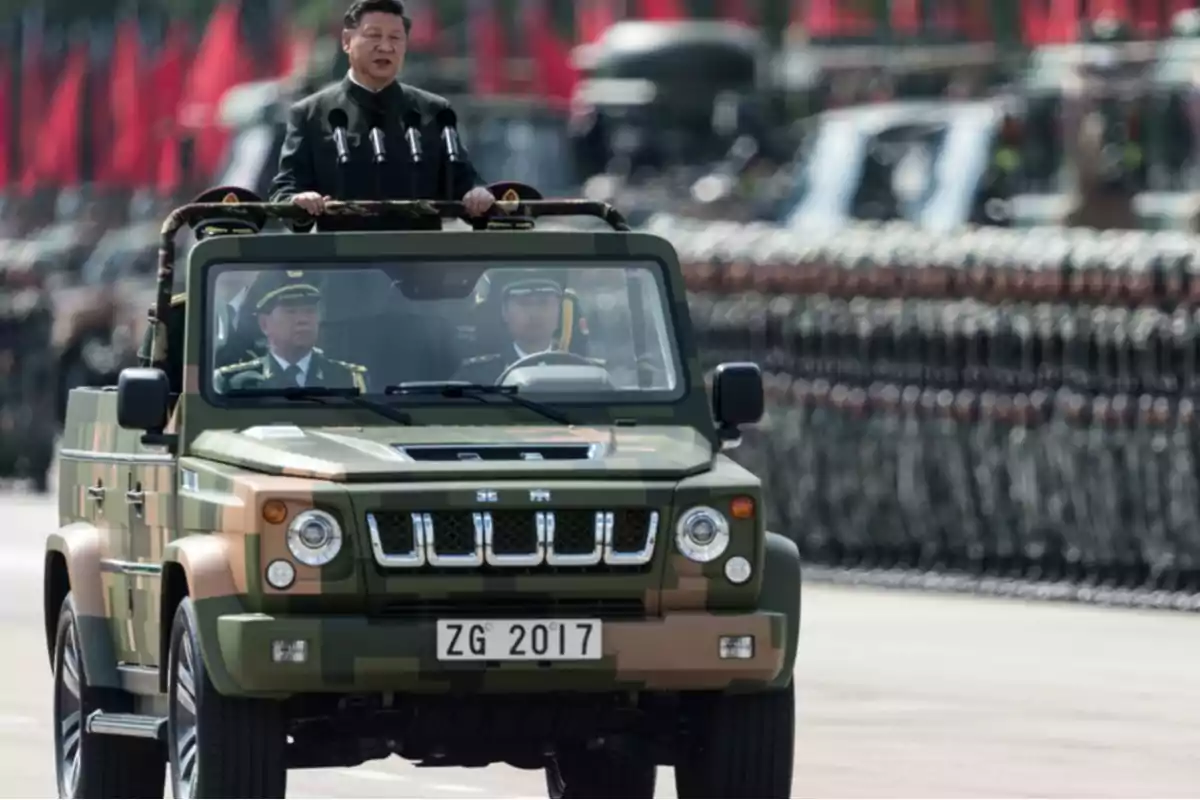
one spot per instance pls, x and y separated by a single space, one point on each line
159 439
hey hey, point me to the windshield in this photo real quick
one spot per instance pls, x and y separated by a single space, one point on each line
574 332
925 173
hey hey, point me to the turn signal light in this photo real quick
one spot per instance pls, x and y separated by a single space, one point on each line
742 508
274 512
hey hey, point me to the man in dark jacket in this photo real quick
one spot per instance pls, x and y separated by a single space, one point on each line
375 38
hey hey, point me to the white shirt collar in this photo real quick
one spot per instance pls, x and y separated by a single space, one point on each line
302 364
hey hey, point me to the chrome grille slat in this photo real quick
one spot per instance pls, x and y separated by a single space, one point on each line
500 539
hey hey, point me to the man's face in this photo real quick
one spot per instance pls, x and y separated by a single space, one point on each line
532 318
377 46
291 328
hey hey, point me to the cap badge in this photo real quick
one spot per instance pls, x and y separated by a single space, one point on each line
295 273
230 199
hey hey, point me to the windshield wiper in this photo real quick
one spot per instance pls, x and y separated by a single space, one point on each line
477 391
320 394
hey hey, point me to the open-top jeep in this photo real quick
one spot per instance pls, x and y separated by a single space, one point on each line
461 497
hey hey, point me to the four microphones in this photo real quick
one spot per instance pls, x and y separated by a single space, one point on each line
339 121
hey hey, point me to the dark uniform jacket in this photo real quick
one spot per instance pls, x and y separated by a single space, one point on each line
308 159
265 373
486 369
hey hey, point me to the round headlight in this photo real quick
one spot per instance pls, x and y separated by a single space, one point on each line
314 538
702 534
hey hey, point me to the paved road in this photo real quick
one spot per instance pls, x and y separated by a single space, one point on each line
900 695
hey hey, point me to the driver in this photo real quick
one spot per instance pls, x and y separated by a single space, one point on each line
288 310
530 309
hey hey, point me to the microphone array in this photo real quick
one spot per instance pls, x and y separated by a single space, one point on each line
1004 406
446 122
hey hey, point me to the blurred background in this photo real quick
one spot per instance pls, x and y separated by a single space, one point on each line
942 223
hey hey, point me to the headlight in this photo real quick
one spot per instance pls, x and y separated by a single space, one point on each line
702 534
314 538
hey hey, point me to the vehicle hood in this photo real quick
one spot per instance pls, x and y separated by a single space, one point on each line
432 453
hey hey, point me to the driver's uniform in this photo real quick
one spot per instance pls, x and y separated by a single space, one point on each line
485 369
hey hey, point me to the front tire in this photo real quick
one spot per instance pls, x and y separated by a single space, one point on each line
619 770
88 764
738 745
219 746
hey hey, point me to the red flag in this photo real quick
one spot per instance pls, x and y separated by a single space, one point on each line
425 36
56 157
167 78
836 18
35 86
6 111
1109 8
906 16
661 9
1062 23
739 11
554 75
129 98
488 48
221 63
593 18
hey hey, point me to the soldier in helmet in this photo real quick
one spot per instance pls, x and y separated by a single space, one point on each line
288 314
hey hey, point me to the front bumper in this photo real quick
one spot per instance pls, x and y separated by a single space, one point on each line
678 651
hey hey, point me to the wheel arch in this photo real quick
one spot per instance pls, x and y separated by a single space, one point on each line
72 565
781 593
199 567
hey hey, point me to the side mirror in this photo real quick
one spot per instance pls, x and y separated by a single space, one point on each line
143 397
737 397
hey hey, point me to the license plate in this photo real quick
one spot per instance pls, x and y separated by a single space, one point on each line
518 640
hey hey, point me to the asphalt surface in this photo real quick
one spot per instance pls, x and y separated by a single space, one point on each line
900 695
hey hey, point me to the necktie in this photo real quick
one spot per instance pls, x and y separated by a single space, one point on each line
291 375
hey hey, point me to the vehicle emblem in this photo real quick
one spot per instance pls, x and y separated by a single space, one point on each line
539 496
486 496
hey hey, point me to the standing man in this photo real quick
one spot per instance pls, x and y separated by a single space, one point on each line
375 38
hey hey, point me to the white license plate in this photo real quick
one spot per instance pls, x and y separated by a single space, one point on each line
519 640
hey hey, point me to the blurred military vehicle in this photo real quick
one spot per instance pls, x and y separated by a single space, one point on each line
27 368
937 164
557 568
1084 136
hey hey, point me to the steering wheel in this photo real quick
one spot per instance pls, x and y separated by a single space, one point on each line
554 358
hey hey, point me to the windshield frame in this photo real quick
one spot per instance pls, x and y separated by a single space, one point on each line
687 402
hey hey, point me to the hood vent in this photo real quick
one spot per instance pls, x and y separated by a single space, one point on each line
503 452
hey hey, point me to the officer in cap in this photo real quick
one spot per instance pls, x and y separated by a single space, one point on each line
530 307
287 306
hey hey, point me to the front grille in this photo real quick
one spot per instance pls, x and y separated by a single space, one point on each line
535 607
507 539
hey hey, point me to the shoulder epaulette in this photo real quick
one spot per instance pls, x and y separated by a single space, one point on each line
242 365
179 299
484 359
348 365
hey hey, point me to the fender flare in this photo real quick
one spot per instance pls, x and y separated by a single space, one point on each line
204 560
81 544
781 586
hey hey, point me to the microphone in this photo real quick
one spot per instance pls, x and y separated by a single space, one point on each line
448 121
377 144
338 120
412 135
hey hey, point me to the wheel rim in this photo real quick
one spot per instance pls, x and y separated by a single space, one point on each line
68 715
186 724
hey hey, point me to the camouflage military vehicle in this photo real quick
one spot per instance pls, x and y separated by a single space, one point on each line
555 568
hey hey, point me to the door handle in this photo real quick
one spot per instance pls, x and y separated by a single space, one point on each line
135 497
95 493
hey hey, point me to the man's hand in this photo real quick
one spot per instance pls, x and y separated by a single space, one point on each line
312 202
478 201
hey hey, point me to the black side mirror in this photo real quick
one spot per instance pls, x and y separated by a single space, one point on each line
737 397
143 399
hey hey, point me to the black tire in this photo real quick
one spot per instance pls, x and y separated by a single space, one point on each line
88 764
741 745
618 771
227 747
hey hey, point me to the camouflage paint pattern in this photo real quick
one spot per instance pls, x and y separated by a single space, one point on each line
200 515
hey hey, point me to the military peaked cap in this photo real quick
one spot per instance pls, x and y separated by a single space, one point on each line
509 194
528 286
218 224
283 287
